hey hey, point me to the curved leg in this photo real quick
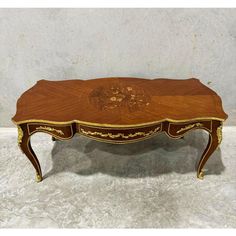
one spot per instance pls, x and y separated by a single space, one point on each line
25 146
215 138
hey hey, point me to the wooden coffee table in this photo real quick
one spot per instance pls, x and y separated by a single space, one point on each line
120 111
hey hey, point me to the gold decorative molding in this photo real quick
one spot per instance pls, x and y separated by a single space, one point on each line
122 135
114 125
20 135
189 127
50 129
219 133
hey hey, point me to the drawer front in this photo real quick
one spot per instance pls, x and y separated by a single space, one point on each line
178 129
119 135
59 131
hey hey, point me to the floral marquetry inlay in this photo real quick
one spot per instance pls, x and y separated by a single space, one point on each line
111 97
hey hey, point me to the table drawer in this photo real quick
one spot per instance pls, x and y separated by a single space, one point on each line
59 131
178 129
119 135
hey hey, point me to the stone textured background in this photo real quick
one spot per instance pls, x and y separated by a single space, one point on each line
57 44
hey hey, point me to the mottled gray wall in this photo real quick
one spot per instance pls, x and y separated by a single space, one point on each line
58 44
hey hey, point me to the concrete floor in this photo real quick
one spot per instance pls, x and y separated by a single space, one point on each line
151 184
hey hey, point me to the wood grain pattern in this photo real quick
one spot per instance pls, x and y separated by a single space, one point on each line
94 101
119 110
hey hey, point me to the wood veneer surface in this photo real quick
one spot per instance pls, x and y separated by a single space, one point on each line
118 101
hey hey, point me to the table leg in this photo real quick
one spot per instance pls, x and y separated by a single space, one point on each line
25 146
215 137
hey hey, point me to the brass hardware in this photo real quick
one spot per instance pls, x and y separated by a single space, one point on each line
38 178
201 175
219 133
50 129
110 135
119 142
54 135
20 135
190 127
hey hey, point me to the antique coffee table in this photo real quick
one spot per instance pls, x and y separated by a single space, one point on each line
119 110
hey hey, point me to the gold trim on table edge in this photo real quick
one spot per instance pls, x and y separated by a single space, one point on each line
50 129
112 125
113 136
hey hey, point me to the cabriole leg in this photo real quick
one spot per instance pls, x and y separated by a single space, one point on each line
25 146
215 138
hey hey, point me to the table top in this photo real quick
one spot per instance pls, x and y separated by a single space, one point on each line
118 101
